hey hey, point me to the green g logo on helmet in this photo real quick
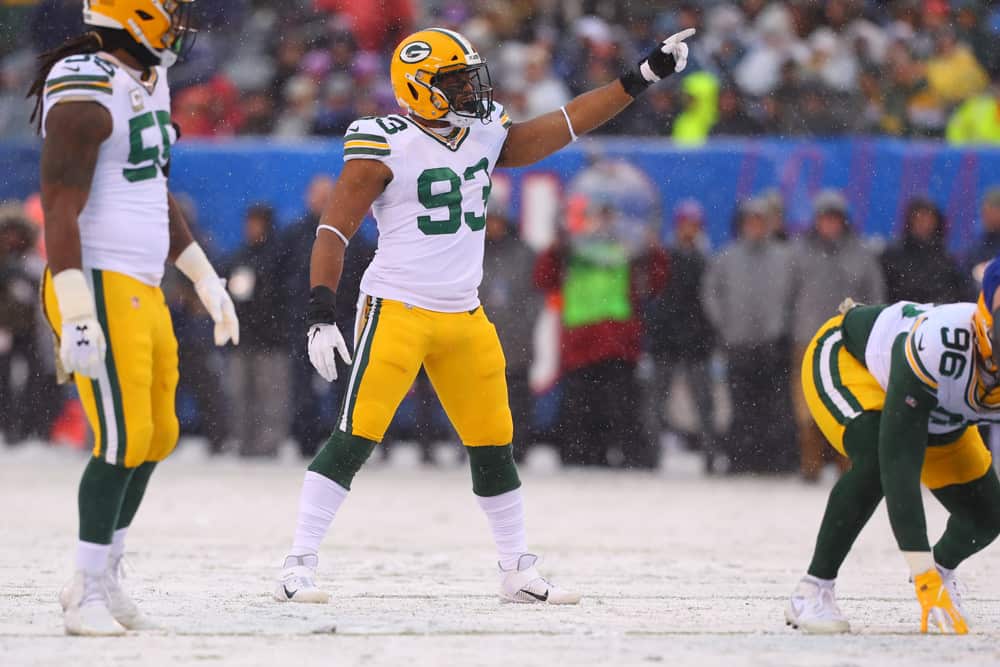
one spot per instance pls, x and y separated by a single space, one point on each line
415 52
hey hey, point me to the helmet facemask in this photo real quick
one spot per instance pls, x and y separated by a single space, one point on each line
982 327
180 38
468 91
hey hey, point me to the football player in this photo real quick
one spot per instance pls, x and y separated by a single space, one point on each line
103 107
897 389
426 175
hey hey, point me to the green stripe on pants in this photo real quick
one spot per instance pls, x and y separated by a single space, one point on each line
838 383
102 442
109 364
821 388
346 422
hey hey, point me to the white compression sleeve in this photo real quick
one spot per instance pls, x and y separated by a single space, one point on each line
118 544
505 514
321 498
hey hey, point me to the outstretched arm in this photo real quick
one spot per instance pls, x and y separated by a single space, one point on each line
533 140
902 446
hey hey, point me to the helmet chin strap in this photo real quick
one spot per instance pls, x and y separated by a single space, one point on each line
455 120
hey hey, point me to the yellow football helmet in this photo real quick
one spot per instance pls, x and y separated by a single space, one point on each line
162 26
982 322
437 75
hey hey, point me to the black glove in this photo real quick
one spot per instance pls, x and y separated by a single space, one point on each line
669 57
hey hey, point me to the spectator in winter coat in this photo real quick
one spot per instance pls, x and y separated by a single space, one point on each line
602 288
919 268
679 333
734 119
509 297
258 370
746 293
986 246
829 264
28 406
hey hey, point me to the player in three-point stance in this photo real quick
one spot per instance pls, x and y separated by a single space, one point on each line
426 175
897 389
110 223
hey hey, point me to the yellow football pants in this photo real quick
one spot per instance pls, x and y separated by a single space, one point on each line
838 388
461 353
130 406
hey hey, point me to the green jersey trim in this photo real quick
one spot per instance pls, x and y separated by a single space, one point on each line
462 136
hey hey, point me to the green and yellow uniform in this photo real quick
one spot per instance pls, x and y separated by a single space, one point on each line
124 239
897 389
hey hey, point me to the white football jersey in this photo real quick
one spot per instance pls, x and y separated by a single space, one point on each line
124 225
940 350
432 214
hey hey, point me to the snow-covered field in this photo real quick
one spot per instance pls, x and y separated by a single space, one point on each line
676 569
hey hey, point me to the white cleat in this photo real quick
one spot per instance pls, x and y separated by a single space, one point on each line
122 607
813 608
297 581
85 607
525 585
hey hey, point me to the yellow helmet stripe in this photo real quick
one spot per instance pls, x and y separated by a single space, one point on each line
464 45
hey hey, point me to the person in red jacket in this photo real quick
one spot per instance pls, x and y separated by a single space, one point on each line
602 285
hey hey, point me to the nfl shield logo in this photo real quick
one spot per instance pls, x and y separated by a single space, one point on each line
135 302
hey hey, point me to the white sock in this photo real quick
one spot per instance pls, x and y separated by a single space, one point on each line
92 558
321 498
822 583
118 545
506 516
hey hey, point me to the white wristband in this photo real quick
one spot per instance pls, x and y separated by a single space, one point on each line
569 124
194 264
76 301
335 231
647 72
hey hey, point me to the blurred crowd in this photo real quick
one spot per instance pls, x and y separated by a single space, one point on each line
296 68
628 306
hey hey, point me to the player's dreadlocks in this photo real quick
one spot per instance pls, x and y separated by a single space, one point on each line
89 42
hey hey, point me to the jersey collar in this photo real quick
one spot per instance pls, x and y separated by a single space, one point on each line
453 141
149 85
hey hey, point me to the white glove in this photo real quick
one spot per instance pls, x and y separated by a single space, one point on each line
82 345
211 289
325 341
212 292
